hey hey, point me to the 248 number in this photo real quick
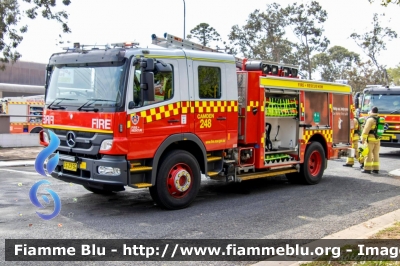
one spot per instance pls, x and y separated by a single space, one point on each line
205 123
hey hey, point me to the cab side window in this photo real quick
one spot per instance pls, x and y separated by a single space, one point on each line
209 82
163 87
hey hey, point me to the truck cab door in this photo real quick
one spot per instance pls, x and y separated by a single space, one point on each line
210 103
151 122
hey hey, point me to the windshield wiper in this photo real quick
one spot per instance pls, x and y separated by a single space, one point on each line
85 106
60 100
395 111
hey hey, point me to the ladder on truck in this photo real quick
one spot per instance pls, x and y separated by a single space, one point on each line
171 41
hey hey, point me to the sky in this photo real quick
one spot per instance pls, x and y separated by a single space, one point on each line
103 22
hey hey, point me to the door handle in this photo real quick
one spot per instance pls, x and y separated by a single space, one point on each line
221 118
173 121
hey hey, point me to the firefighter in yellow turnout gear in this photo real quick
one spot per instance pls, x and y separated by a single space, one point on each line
369 137
354 145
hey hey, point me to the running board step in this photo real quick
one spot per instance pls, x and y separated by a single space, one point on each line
141 185
212 173
141 169
213 159
266 174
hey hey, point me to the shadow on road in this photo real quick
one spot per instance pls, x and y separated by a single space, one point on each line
391 154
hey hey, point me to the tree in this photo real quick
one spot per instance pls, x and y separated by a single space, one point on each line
10 18
373 42
387 2
363 74
204 33
334 62
394 75
262 37
307 20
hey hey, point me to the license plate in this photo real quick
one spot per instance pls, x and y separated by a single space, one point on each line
385 138
70 166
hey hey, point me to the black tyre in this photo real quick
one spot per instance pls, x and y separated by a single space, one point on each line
154 195
36 130
178 181
99 191
312 170
294 178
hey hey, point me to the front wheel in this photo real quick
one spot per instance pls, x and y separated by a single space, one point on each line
312 169
178 180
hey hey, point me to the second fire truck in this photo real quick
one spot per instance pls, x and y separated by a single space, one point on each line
25 113
387 99
161 118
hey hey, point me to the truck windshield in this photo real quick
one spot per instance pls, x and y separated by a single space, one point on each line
84 83
385 103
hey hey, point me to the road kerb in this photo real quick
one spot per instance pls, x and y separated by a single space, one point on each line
17 163
395 173
361 231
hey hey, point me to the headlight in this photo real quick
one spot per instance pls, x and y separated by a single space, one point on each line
104 170
44 137
106 145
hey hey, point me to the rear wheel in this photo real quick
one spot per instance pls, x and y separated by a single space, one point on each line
312 170
178 181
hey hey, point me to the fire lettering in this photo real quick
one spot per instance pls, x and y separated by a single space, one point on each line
48 119
101 123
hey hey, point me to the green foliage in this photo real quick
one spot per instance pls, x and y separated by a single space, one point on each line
307 22
373 42
394 75
334 62
10 17
204 33
387 2
263 36
209 82
362 74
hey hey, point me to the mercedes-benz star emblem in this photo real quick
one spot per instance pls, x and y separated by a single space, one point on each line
71 139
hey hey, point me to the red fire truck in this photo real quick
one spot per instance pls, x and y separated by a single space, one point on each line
163 118
25 113
387 99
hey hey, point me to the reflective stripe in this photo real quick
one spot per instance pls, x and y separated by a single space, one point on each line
185 107
327 133
251 105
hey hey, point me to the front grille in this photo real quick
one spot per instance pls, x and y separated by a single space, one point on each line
87 144
79 134
78 145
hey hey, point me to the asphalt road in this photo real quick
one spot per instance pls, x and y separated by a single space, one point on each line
264 208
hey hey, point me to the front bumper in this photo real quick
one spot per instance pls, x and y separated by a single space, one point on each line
87 174
393 142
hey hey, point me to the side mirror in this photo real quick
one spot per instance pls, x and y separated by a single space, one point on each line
131 105
147 64
357 100
147 86
163 68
